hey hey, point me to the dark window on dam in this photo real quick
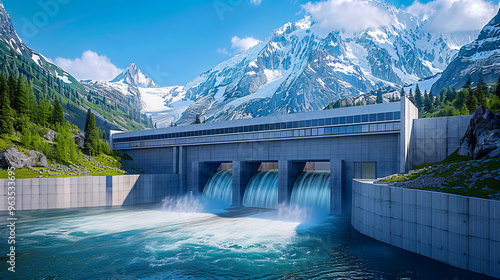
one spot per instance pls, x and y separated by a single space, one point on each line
354 119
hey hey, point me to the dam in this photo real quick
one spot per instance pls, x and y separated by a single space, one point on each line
364 142
175 221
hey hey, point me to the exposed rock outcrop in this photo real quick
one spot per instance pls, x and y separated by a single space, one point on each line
482 139
79 139
12 157
50 135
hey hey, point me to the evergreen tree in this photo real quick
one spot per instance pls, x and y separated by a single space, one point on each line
497 90
105 148
21 99
13 89
471 102
451 94
464 111
87 119
91 144
412 97
337 104
57 113
432 109
32 105
428 101
44 111
6 126
481 91
439 98
102 134
460 99
380 99
25 125
468 84
402 93
197 120
419 100
62 145
37 142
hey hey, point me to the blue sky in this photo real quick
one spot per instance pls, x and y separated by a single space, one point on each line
172 41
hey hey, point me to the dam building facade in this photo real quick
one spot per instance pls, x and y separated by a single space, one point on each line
363 142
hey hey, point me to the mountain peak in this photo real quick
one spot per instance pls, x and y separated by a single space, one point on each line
7 32
134 76
133 66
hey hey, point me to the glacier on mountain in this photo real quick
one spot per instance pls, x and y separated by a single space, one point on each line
300 67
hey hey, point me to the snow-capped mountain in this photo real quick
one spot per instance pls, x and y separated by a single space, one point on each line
481 57
131 85
301 67
134 76
136 89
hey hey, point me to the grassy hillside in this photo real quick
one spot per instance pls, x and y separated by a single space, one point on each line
28 124
456 174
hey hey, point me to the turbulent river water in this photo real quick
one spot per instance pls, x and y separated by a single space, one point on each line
186 239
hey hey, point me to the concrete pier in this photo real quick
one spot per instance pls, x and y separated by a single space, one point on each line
338 193
243 171
202 172
288 171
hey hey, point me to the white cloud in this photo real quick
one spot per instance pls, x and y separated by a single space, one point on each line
223 51
454 15
255 2
349 15
90 66
243 44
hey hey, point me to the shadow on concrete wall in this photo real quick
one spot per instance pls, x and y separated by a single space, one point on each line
152 188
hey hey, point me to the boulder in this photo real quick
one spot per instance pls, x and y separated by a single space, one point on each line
79 139
482 139
50 135
12 157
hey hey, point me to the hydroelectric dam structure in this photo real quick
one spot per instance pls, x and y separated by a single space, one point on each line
363 142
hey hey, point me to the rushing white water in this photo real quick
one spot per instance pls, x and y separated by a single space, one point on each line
184 204
220 186
312 189
262 190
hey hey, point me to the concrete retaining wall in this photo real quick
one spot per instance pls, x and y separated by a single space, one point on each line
434 139
72 192
458 230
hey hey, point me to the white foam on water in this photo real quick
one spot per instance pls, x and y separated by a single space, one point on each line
244 235
80 227
185 204
169 231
